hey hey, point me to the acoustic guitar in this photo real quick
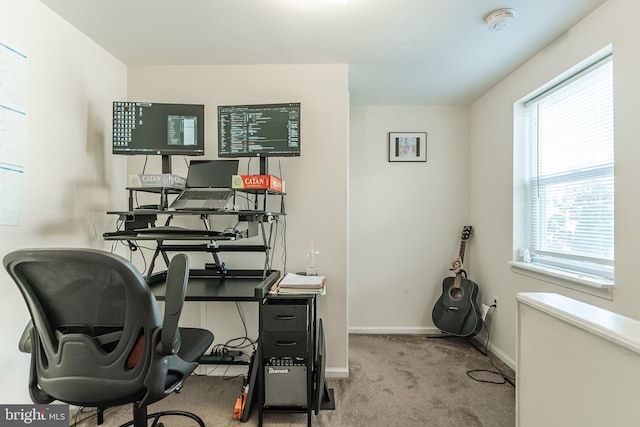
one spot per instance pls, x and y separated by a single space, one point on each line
455 312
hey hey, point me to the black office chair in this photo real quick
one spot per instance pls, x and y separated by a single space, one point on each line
96 335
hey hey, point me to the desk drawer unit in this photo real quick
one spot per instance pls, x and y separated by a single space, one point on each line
285 317
285 344
285 326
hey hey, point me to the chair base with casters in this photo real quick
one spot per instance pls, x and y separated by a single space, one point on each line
143 418
140 416
96 336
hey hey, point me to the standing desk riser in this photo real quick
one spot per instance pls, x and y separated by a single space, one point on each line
140 225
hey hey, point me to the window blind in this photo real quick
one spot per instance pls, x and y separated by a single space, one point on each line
569 173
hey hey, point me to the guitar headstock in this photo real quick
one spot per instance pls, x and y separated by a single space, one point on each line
466 232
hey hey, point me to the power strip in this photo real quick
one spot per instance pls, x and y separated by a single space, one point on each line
210 358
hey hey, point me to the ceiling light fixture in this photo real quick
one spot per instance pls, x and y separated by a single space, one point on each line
500 19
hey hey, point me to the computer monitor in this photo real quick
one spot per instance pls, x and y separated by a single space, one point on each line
259 130
152 128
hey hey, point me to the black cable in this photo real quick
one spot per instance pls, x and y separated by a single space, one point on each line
273 238
243 339
114 244
223 349
92 413
496 371
283 242
133 246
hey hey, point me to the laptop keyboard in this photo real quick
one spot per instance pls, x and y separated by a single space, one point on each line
206 194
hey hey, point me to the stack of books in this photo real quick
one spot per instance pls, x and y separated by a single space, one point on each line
300 284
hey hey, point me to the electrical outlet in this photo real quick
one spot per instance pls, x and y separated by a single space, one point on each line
494 302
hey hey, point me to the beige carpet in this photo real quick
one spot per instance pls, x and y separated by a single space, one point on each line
395 380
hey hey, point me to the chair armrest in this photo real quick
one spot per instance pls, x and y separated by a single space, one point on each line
28 341
24 345
177 278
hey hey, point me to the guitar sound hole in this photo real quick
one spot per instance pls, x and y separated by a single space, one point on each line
456 293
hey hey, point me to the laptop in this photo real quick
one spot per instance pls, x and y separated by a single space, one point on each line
208 185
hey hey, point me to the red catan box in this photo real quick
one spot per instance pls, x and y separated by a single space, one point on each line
257 182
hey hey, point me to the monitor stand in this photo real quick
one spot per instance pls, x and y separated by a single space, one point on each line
166 168
263 166
166 163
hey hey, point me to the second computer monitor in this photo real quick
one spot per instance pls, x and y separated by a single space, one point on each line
259 130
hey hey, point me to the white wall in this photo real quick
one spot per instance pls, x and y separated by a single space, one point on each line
405 218
70 172
316 182
614 22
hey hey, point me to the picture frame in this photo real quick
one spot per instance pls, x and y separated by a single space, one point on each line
407 146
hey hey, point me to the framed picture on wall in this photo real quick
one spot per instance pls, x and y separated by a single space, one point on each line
407 146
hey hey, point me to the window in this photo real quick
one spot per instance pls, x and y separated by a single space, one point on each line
567 163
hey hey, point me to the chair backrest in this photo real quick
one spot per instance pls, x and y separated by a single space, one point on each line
95 325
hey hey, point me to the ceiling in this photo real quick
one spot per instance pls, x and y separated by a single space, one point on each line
400 52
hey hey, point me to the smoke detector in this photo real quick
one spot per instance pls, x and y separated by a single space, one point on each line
500 19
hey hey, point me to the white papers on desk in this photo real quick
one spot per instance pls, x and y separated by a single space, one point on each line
301 284
301 280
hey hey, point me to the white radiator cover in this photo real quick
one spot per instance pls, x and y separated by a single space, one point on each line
577 364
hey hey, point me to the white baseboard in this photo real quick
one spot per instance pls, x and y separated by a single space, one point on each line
481 340
336 372
500 354
393 330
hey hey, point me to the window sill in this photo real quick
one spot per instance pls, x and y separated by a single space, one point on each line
599 287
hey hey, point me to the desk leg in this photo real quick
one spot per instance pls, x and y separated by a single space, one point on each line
158 251
253 386
152 263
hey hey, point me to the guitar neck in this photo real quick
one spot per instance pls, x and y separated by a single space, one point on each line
463 245
458 262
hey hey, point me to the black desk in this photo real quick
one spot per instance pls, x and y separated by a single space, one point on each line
245 285
248 285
